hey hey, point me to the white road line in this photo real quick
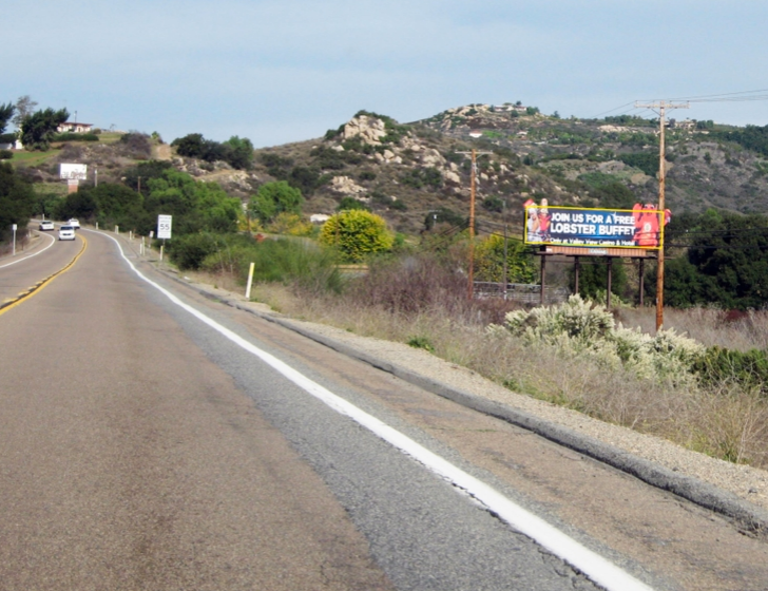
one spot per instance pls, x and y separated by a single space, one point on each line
594 566
53 241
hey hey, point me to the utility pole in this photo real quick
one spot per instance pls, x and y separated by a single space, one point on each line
505 271
471 287
660 107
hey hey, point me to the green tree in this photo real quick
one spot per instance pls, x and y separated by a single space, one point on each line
24 106
729 253
138 177
235 151
191 145
489 261
46 204
6 112
79 205
195 205
240 152
593 277
357 234
17 201
275 198
116 203
38 129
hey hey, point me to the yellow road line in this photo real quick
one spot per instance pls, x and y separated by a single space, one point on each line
12 303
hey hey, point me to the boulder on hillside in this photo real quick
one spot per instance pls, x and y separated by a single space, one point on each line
369 129
346 186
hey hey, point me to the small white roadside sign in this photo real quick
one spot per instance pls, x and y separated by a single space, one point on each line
164 226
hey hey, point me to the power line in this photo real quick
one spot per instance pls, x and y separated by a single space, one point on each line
747 95
612 110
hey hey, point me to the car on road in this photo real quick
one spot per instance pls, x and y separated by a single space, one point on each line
74 223
67 233
46 225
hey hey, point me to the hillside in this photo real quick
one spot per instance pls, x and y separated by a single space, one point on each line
418 173
406 172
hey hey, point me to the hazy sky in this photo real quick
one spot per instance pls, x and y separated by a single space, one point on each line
288 70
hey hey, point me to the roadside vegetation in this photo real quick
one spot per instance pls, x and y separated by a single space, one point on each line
700 383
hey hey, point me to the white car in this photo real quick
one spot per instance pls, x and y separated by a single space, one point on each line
74 223
46 225
67 233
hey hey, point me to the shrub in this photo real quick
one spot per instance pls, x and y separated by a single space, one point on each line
189 252
356 234
274 198
348 203
422 177
580 327
291 224
75 137
136 145
748 369
300 263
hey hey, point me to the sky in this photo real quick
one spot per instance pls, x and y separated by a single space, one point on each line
289 70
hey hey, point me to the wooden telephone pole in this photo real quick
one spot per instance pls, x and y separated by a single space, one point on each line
660 107
471 287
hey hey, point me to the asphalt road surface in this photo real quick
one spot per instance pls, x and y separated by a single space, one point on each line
156 441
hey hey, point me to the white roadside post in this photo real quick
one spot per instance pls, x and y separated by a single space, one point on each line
13 227
250 282
164 223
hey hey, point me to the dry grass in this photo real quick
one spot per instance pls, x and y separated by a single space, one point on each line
740 331
729 423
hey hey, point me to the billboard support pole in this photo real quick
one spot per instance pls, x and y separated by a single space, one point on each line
641 273
610 283
543 269
576 267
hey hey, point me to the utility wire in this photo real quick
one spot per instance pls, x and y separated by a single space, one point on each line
747 95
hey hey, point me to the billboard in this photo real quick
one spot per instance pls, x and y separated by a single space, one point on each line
73 171
641 227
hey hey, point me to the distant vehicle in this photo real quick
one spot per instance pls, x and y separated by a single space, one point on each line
46 225
67 233
74 223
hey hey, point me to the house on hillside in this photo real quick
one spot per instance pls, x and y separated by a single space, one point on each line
73 127
687 124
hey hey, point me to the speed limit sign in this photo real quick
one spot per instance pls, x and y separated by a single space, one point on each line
164 226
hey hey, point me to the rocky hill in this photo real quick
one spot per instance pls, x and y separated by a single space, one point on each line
419 173
409 172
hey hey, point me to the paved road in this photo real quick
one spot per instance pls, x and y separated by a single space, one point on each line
141 449
43 257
